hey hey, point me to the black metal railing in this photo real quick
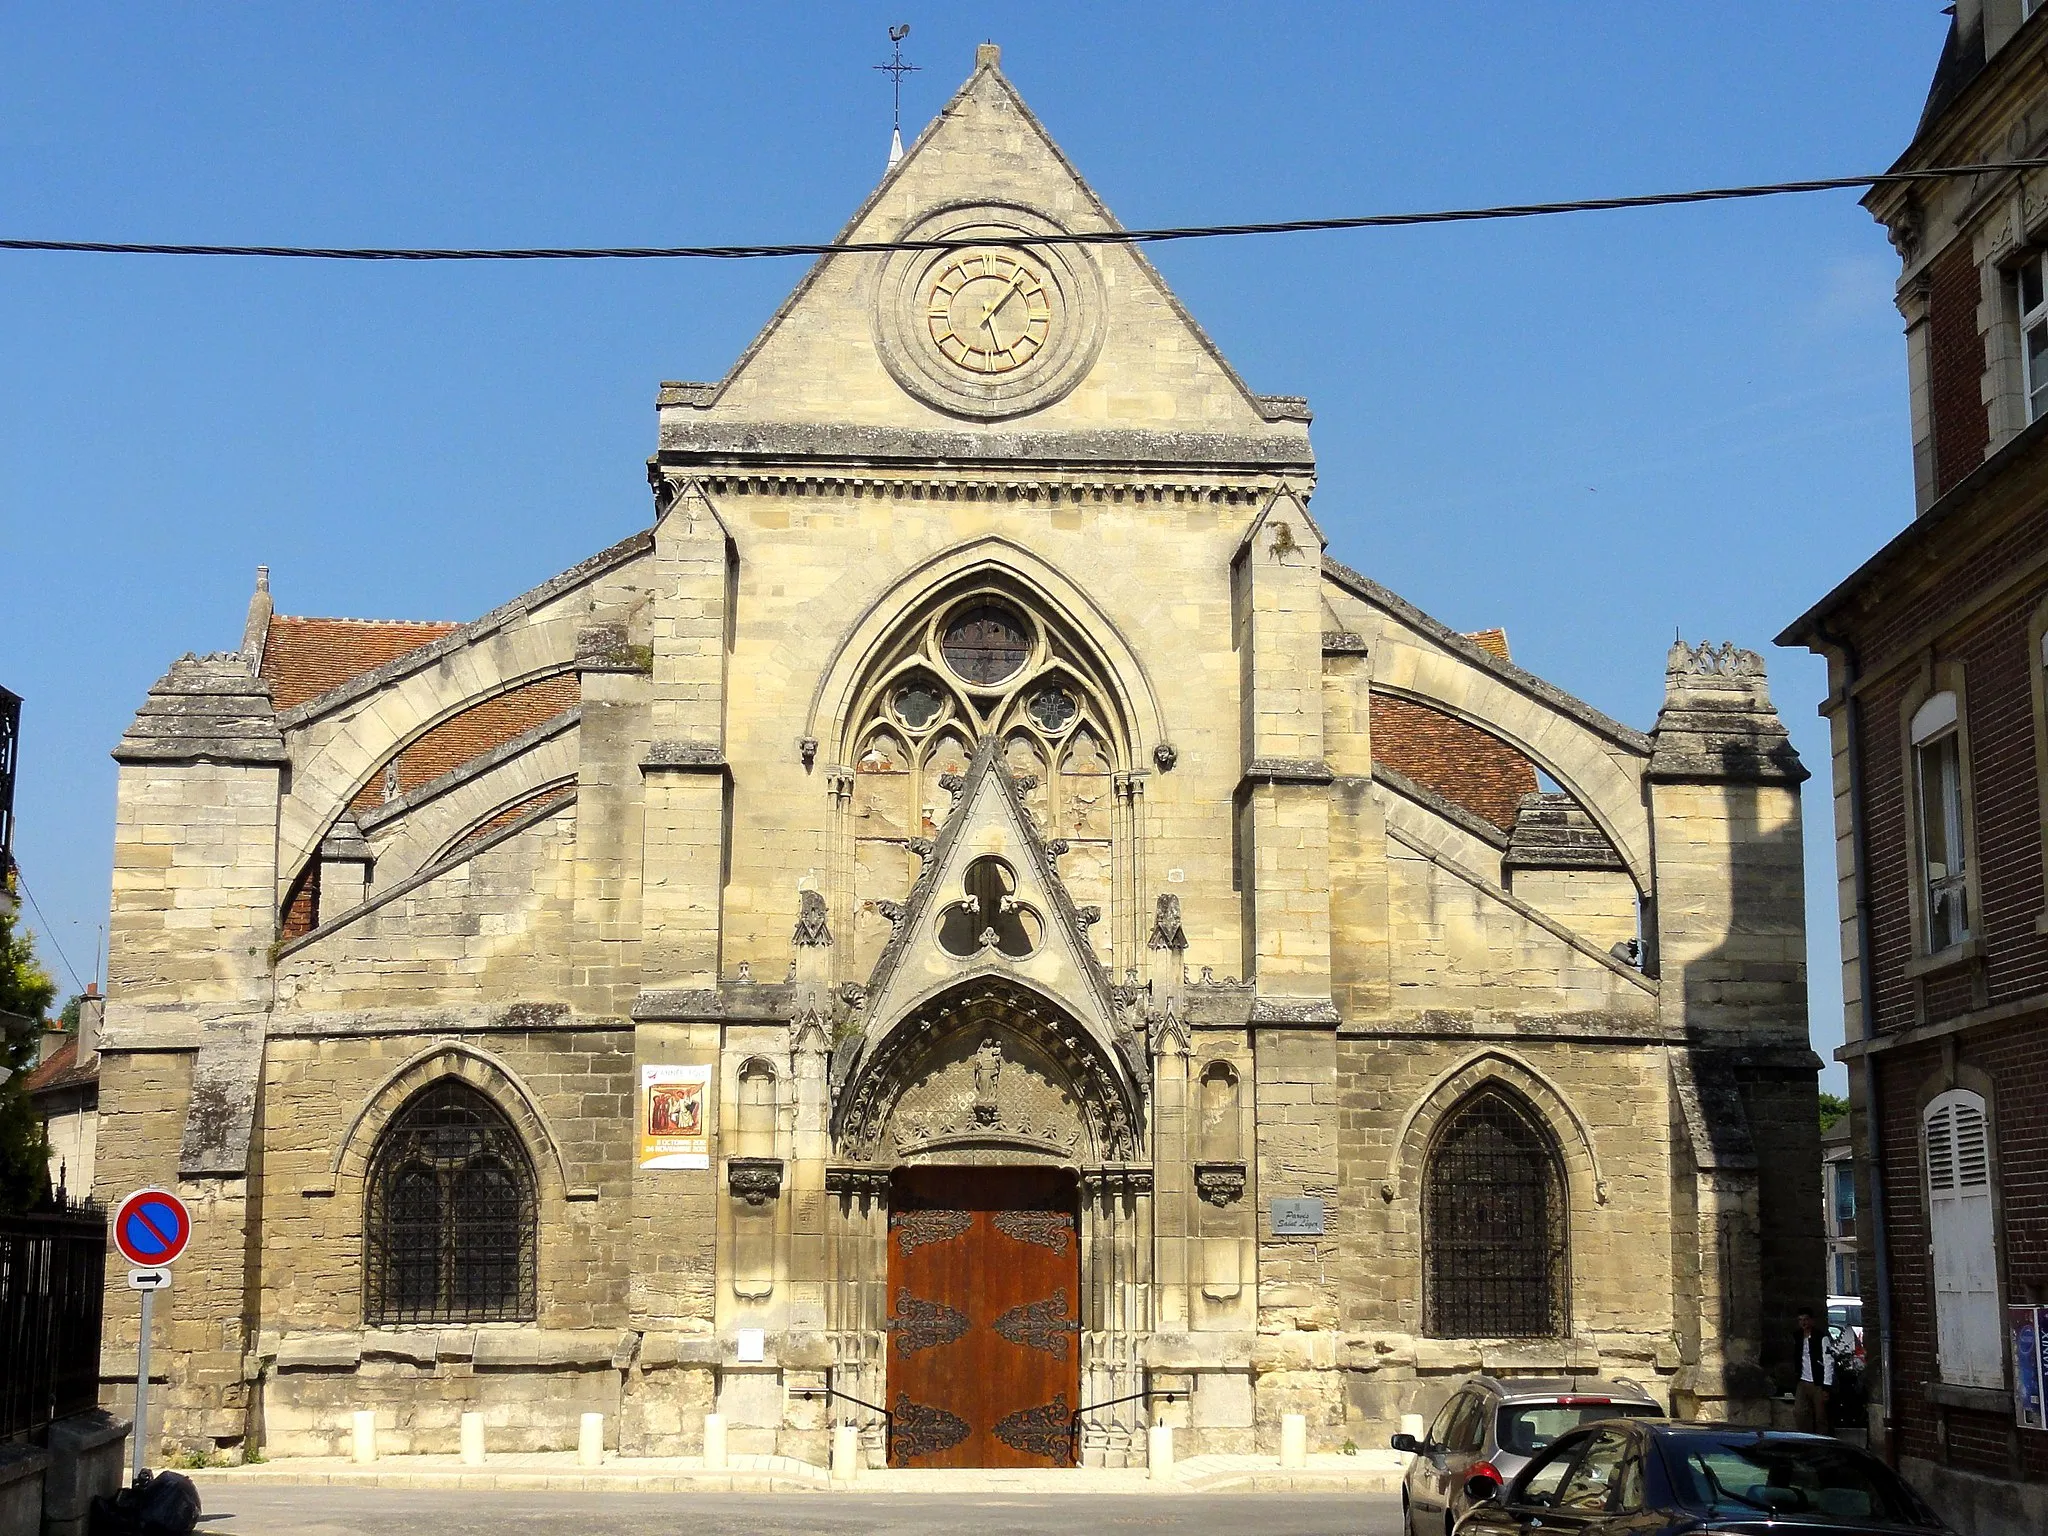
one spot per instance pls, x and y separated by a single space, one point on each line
53 1267
1163 1394
888 1418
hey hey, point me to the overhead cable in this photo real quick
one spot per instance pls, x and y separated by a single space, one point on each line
1076 237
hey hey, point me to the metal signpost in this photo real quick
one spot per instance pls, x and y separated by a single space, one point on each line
151 1228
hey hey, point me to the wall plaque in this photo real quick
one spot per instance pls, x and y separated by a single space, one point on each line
1297 1216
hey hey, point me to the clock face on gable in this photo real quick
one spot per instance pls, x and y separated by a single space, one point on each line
989 311
988 325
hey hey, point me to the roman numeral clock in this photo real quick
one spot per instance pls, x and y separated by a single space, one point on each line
992 326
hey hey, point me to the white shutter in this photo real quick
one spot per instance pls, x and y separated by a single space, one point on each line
1963 1243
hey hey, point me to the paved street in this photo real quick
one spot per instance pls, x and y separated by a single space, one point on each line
287 1511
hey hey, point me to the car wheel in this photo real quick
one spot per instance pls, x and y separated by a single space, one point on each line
1450 1520
1407 1514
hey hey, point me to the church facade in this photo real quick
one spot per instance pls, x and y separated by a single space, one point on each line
972 924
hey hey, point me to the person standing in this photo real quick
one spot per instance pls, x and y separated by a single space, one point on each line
1816 1378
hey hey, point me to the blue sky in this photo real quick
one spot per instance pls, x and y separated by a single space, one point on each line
1591 431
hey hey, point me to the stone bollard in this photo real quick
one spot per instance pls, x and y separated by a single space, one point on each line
590 1441
845 1453
1412 1424
363 1435
472 1439
1159 1452
1293 1440
714 1442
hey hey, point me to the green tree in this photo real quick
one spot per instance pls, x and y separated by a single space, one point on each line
26 992
1832 1108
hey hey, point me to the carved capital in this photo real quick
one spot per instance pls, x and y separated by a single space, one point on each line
1220 1183
756 1180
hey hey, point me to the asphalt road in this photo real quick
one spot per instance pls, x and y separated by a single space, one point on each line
400 1512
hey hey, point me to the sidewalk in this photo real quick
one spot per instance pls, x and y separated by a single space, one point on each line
557 1471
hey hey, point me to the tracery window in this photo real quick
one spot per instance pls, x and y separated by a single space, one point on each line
974 662
1494 1225
449 1223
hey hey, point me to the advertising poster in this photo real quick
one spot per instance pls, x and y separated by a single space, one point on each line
675 1129
2025 1324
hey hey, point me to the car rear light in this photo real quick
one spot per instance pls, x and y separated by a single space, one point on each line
1586 1402
1485 1469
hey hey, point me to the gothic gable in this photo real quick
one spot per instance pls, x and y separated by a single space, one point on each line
1094 342
990 903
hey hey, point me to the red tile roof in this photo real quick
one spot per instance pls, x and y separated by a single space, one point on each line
59 1069
304 658
1462 763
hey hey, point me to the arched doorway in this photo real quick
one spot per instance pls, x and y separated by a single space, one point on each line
996 1234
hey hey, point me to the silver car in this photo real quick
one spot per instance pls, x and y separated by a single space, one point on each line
1491 1428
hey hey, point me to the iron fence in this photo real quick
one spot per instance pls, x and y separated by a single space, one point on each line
53 1266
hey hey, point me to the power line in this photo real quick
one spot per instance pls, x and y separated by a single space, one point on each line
48 932
1083 237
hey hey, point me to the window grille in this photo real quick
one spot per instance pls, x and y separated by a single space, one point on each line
1494 1226
449 1225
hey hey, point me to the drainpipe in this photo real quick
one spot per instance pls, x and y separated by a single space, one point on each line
1859 846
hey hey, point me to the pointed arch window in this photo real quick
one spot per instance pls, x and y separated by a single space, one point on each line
449 1220
1494 1225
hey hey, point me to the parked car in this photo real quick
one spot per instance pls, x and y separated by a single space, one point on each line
1490 1428
1654 1477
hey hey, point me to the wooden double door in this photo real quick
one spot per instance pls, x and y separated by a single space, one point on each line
984 1317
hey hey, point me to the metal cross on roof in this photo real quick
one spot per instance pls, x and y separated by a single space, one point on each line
896 69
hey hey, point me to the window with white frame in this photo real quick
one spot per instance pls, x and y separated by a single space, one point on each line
1970 1345
1938 795
2032 283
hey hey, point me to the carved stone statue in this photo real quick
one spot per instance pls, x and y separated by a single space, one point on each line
811 930
1166 930
988 1070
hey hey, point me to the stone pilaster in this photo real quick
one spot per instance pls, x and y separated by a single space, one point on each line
1283 803
687 784
1730 952
201 770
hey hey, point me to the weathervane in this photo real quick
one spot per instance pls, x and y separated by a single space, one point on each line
897 69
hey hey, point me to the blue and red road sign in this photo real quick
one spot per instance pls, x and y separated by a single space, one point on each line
151 1228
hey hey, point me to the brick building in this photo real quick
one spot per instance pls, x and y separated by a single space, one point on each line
1936 648
971 908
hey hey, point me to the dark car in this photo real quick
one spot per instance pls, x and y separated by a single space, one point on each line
1654 1477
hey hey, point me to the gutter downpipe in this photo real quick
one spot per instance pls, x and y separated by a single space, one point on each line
1859 848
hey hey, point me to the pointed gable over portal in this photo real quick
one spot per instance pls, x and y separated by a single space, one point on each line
999 348
990 901
990 934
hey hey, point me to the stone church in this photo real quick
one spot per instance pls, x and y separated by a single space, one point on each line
972 924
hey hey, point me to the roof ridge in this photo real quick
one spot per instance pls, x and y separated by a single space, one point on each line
321 618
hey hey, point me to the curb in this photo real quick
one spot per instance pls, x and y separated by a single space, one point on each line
624 1477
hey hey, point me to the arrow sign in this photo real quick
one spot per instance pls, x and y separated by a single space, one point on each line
149 1279
151 1228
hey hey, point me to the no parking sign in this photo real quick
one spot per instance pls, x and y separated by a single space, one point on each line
151 1228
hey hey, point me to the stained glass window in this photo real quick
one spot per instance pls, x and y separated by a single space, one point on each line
1494 1226
986 643
449 1224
